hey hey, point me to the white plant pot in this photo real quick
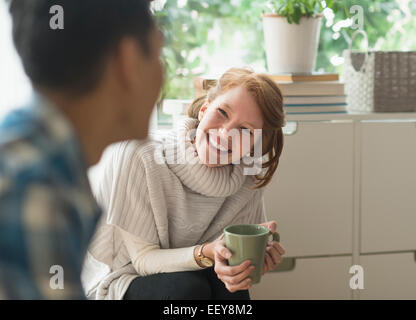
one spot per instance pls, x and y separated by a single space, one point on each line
291 48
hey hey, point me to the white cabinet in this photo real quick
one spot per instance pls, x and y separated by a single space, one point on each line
388 186
389 276
346 187
311 278
311 195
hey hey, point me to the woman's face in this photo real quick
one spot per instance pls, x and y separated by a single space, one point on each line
219 138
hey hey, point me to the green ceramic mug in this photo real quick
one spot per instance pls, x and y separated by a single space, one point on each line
248 242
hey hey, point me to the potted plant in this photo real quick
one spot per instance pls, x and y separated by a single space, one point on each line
291 34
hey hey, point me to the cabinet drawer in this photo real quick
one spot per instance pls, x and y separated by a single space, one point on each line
389 276
388 171
311 278
311 194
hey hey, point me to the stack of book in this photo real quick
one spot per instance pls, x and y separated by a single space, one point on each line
314 93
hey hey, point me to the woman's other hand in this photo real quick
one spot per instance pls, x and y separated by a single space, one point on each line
234 277
274 251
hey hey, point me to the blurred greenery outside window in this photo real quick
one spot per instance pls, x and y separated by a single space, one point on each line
208 37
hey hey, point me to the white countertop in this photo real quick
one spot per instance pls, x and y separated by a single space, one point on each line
177 108
388 116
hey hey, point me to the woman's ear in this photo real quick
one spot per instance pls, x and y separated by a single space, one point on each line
202 111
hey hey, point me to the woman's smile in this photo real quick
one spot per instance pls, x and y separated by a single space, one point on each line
218 147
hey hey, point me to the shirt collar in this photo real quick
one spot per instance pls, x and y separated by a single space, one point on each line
59 127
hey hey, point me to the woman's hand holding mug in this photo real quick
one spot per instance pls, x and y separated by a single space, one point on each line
274 251
237 277
234 277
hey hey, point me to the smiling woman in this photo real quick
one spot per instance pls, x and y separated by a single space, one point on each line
224 125
167 205
242 99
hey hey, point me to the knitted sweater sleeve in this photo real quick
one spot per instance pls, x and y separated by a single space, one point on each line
149 259
124 193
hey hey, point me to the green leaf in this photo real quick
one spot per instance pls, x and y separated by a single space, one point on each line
303 8
290 8
310 4
335 7
297 15
346 11
281 8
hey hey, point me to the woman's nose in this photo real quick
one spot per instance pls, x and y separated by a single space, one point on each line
223 132
227 133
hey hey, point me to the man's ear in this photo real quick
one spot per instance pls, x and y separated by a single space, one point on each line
128 62
202 111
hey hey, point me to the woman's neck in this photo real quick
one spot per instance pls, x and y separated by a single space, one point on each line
184 162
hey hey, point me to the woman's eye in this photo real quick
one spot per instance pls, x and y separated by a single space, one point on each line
223 112
251 132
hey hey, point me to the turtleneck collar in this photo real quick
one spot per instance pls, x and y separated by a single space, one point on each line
182 159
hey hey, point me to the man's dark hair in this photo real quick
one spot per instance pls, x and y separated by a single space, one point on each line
73 59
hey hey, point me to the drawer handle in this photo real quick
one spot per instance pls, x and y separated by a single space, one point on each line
290 128
287 264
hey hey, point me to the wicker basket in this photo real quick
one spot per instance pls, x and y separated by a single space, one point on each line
380 81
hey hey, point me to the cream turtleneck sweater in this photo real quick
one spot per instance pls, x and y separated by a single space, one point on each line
161 202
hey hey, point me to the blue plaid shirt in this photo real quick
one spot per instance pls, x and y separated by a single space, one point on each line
47 211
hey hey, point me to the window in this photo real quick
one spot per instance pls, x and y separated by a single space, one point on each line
209 36
15 88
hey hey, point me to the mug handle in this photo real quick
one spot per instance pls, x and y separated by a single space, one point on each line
276 236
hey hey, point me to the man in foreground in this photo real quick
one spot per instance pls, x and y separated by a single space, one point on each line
96 82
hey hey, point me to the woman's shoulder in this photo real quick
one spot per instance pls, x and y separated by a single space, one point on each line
136 151
122 158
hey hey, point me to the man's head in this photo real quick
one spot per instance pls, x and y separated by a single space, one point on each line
106 47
